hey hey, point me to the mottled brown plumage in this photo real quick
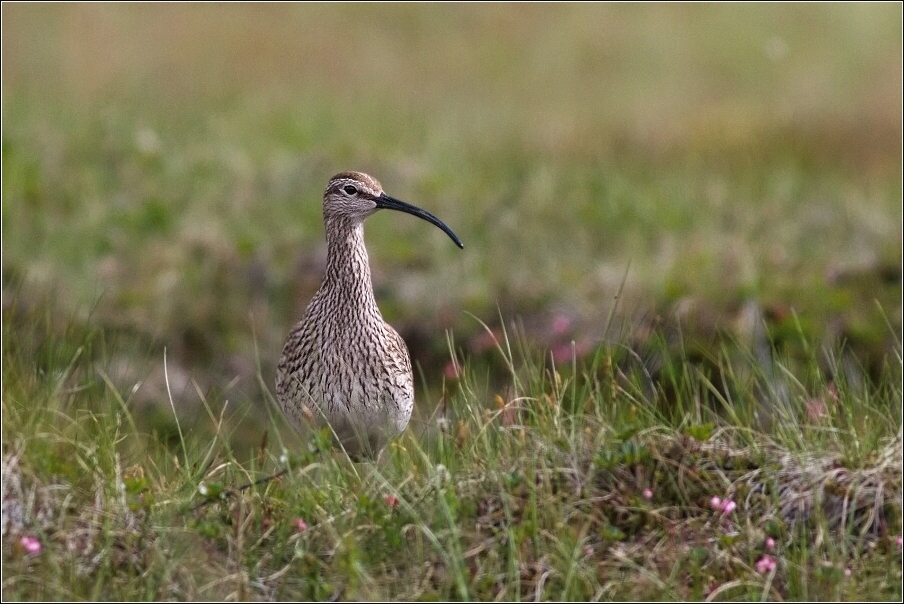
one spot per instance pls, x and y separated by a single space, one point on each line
342 364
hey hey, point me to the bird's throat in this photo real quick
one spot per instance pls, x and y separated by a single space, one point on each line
347 266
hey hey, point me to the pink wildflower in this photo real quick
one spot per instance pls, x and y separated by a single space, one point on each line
588 550
770 543
300 525
565 352
847 572
485 340
726 506
30 544
899 540
451 370
391 501
816 409
560 324
648 493
765 564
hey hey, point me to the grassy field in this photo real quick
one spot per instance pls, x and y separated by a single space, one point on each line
681 281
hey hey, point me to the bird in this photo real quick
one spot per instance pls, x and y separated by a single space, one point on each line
342 365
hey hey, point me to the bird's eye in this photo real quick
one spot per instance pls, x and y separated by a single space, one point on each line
350 189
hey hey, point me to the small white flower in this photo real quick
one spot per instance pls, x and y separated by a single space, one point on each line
442 474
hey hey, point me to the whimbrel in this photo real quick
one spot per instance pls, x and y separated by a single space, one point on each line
342 365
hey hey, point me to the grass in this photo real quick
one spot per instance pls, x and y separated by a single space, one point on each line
682 273
580 481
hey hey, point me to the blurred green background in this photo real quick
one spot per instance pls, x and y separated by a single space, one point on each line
163 168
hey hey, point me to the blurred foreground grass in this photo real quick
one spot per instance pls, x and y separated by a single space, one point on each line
732 174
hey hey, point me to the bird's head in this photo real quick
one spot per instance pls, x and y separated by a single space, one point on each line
353 196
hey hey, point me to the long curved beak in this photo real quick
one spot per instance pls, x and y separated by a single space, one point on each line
386 202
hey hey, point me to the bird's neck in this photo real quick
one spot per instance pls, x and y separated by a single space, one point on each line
347 268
